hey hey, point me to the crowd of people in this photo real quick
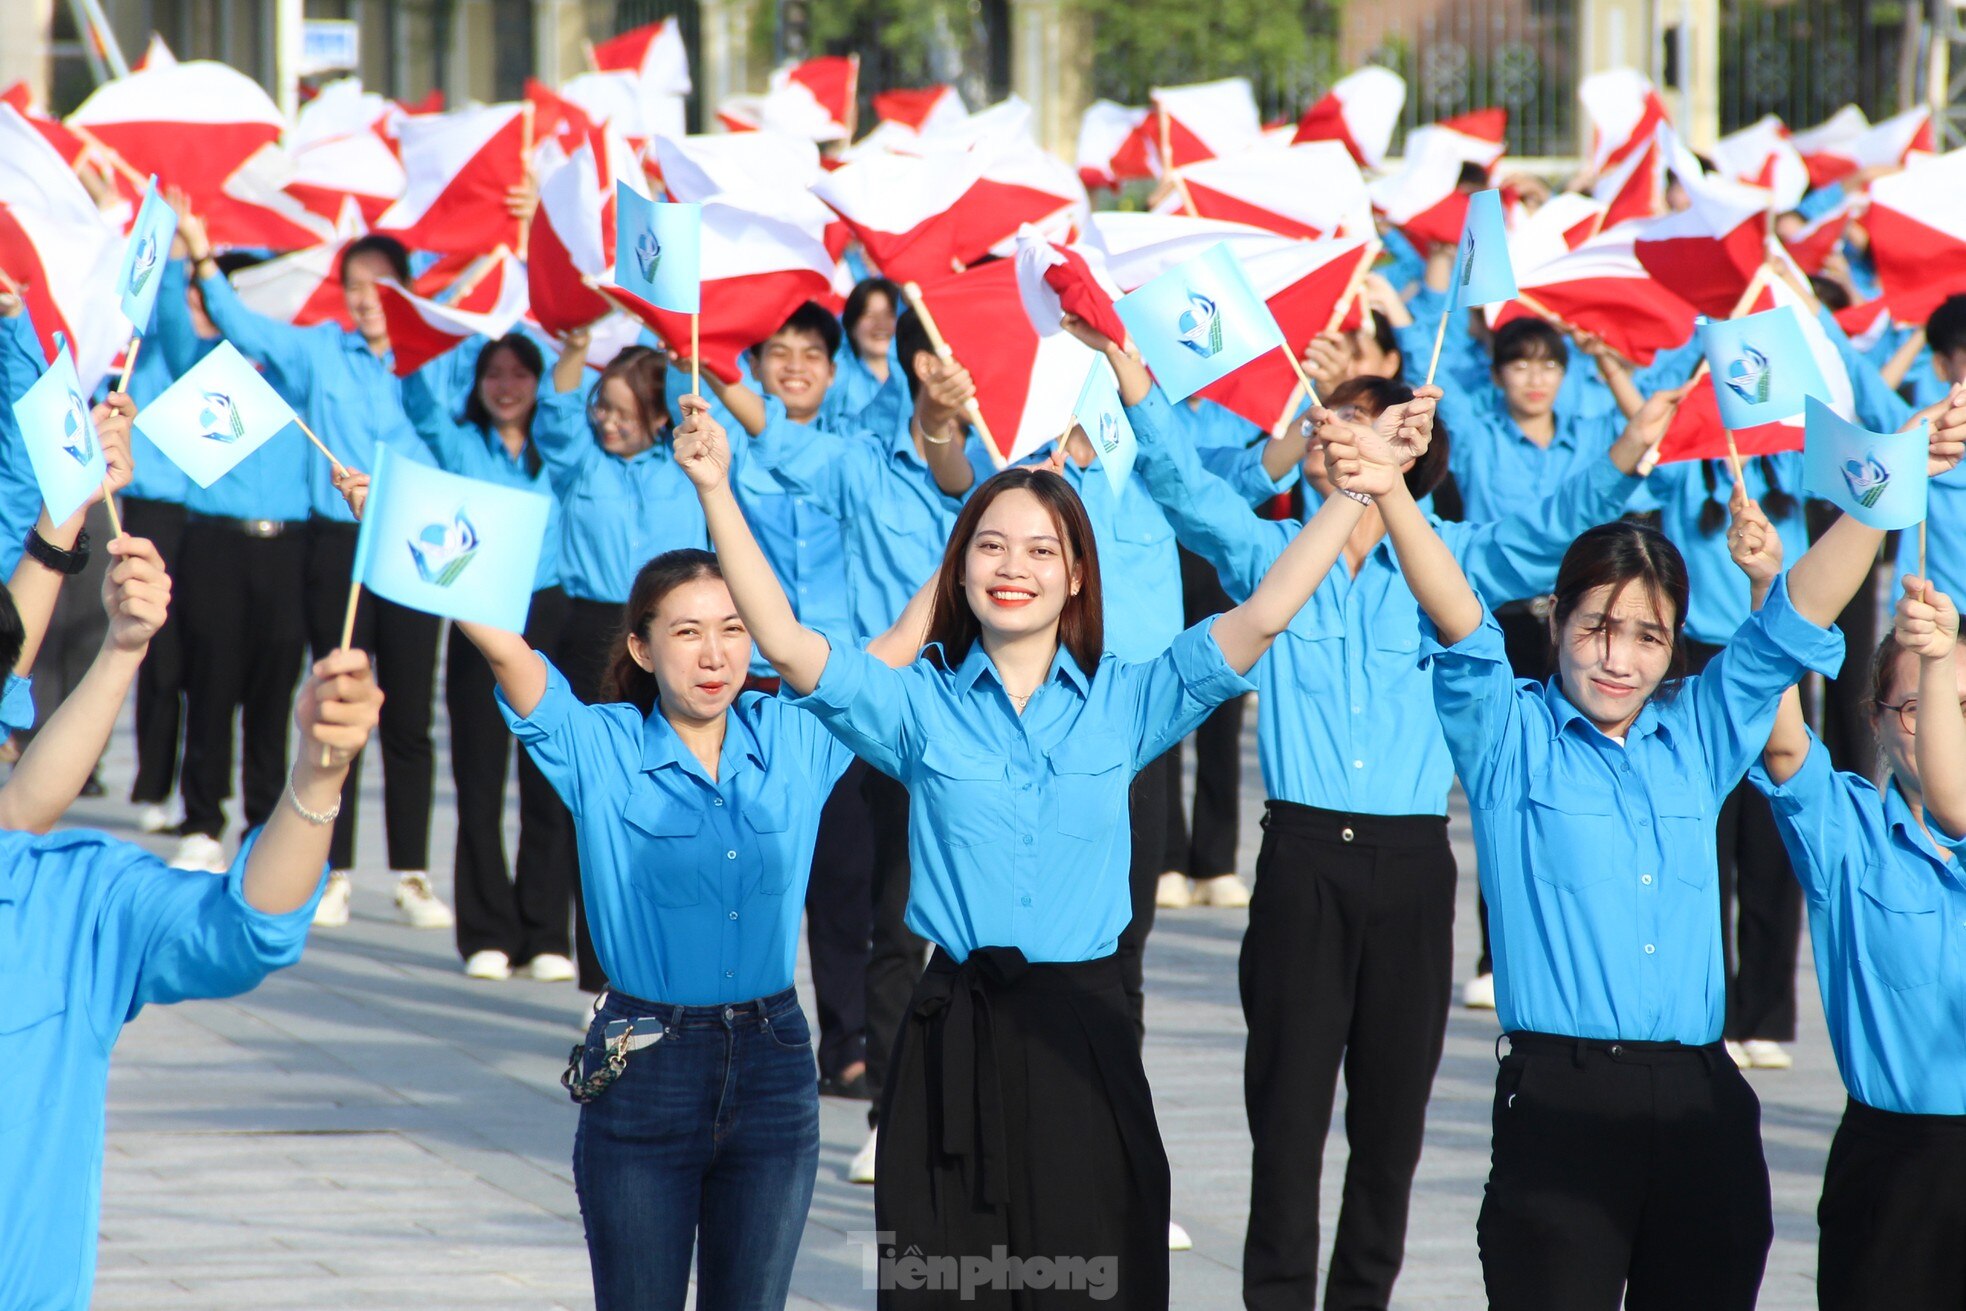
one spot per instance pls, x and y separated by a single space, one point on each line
800 657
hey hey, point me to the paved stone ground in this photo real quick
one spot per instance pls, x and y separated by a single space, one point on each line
371 1129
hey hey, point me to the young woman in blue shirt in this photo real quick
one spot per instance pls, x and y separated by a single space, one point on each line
1627 1163
1016 1117
696 809
476 412
1880 869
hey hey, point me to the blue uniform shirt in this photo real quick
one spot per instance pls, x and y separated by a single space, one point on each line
1017 827
1346 716
344 391
1887 918
155 477
21 366
804 544
894 520
1597 858
435 410
858 401
694 887
1498 470
91 931
617 514
1718 600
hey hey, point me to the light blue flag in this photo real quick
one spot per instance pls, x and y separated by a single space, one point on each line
1482 271
143 258
216 415
447 545
1762 367
658 250
1103 416
1878 478
1199 321
61 439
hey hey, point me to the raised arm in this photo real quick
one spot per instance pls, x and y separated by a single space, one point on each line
798 653
946 392
1757 550
744 404
432 411
260 339
514 665
902 641
1431 570
1927 625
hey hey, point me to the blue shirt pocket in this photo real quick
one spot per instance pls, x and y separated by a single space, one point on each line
1574 833
768 819
1898 931
663 850
1089 781
31 1007
963 796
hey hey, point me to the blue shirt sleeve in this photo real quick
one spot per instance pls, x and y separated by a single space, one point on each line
1210 518
1815 809
1515 558
821 466
1475 695
17 705
429 408
278 346
1242 468
1175 691
865 704
566 737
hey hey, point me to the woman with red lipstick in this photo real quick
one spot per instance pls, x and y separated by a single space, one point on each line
1627 1148
1016 1119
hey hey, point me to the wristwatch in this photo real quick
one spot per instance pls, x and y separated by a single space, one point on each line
70 562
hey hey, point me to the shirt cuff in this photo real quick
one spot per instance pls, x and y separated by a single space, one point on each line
1203 669
1483 644
17 705
1806 789
292 925
1820 649
549 716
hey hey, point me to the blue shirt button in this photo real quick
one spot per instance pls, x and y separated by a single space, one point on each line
716 801
1023 901
1028 839
733 914
1649 949
730 855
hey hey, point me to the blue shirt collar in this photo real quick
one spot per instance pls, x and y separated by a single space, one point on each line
1564 712
662 748
978 662
1909 832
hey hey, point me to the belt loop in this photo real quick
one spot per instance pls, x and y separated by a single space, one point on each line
1498 1047
675 1020
1706 1059
1577 1053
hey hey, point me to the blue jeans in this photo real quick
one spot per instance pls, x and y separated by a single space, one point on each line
707 1143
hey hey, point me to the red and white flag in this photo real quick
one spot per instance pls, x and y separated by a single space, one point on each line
756 269
654 55
1696 432
1625 113
1897 140
1115 144
1026 385
156 55
1709 252
343 146
1762 155
616 100
488 300
1828 150
70 147
814 101
303 288
1918 235
765 171
1361 110
459 168
259 210
1819 238
1137 248
1311 190
62 253
1553 229
1306 284
558 125
572 240
1601 288
1055 280
921 108
1424 199
1205 120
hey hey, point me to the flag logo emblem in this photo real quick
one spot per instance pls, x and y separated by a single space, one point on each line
1749 376
78 434
143 263
1109 433
1200 326
441 551
1867 479
220 418
648 255
1468 260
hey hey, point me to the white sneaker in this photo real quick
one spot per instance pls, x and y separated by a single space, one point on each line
1173 894
418 904
331 912
1740 1055
1767 1054
1177 1239
1227 891
195 851
862 1169
1478 993
493 965
551 967
159 817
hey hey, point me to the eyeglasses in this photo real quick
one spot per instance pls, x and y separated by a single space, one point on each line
1907 712
1524 369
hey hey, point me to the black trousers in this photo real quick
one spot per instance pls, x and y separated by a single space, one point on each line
529 911
1347 966
895 953
585 647
1526 639
1847 728
839 921
1018 1119
1760 908
1208 847
239 599
1145 801
76 627
1623 1170
1893 1215
402 644
160 679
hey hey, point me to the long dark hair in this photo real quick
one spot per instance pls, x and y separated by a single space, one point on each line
863 292
1616 555
526 352
1082 623
1777 504
625 680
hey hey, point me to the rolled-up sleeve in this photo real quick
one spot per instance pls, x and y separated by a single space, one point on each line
864 704
1810 810
1733 699
562 733
1176 690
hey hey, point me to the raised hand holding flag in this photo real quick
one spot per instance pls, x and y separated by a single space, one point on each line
1103 416
1199 322
658 259
60 435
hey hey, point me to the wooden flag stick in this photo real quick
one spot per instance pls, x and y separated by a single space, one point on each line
109 156
8 285
1440 338
973 411
1167 164
1304 378
109 504
347 643
129 362
1282 426
593 60
1756 284
322 446
479 269
1921 548
1734 459
695 369
599 288
1650 460
525 169
1367 258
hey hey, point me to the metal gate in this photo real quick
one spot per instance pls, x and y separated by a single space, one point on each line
1805 59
